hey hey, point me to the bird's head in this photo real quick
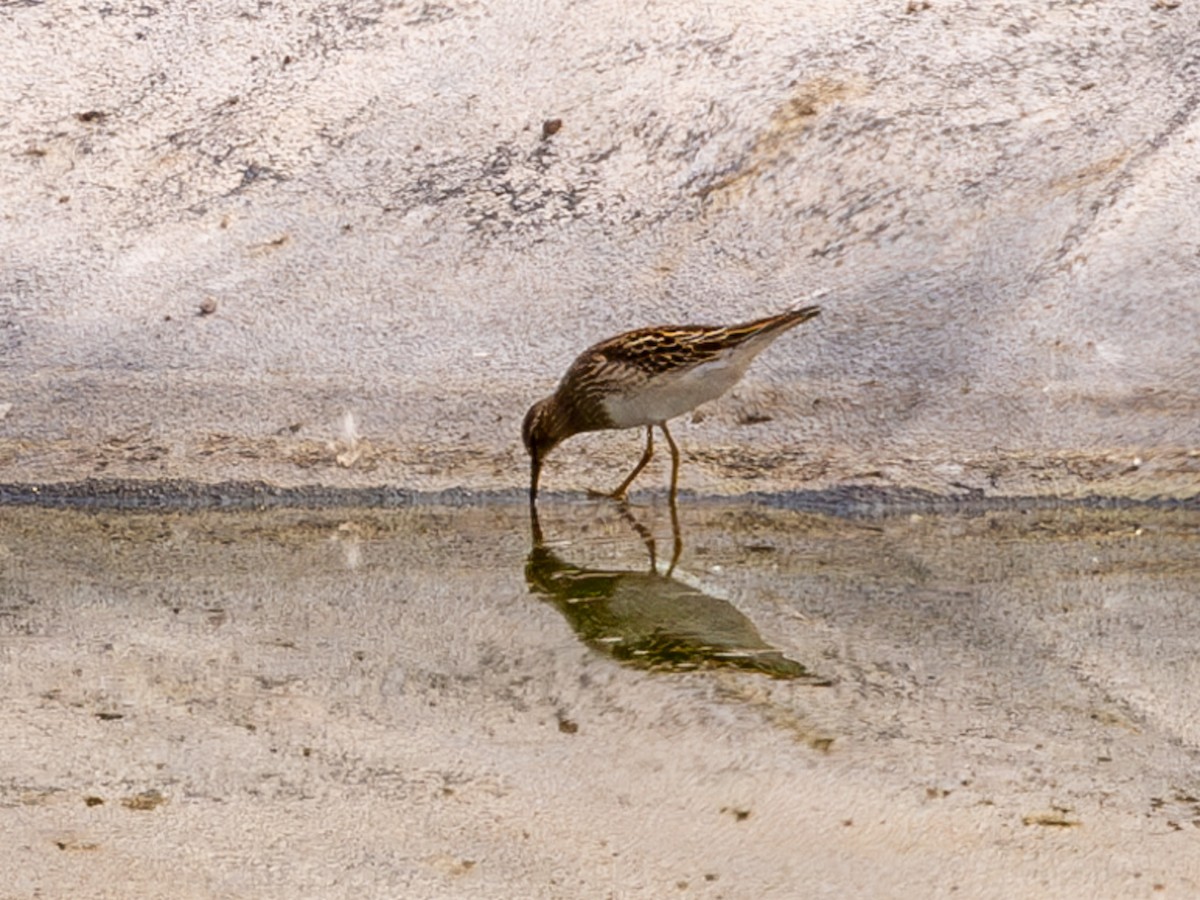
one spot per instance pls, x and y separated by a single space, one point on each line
543 429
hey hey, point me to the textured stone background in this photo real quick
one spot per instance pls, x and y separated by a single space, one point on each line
1002 203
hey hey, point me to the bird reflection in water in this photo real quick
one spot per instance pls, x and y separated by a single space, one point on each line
651 620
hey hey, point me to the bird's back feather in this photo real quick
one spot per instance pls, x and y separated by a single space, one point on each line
654 374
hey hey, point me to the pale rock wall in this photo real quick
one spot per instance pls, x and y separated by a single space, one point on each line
1003 204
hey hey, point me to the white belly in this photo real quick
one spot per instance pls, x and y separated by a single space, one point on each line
669 395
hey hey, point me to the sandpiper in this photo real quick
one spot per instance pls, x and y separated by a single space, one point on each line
646 377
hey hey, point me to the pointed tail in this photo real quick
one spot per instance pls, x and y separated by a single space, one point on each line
779 322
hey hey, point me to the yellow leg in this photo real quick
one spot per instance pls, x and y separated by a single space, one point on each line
619 493
676 535
642 531
647 537
674 461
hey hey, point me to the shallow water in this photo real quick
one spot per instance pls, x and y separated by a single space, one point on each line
423 701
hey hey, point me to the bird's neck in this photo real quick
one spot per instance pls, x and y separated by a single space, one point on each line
561 417
578 412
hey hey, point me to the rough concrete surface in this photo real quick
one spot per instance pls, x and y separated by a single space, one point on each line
224 226
399 704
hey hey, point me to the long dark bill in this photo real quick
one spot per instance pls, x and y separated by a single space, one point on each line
535 469
534 525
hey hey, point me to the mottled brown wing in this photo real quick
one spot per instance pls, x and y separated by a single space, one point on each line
596 374
623 363
661 349
655 350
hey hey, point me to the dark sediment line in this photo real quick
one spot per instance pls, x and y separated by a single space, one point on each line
843 500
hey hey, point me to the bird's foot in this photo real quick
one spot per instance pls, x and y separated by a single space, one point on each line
618 496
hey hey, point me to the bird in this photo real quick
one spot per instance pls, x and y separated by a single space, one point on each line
643 378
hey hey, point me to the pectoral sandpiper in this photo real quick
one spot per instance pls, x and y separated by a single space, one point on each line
646 377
